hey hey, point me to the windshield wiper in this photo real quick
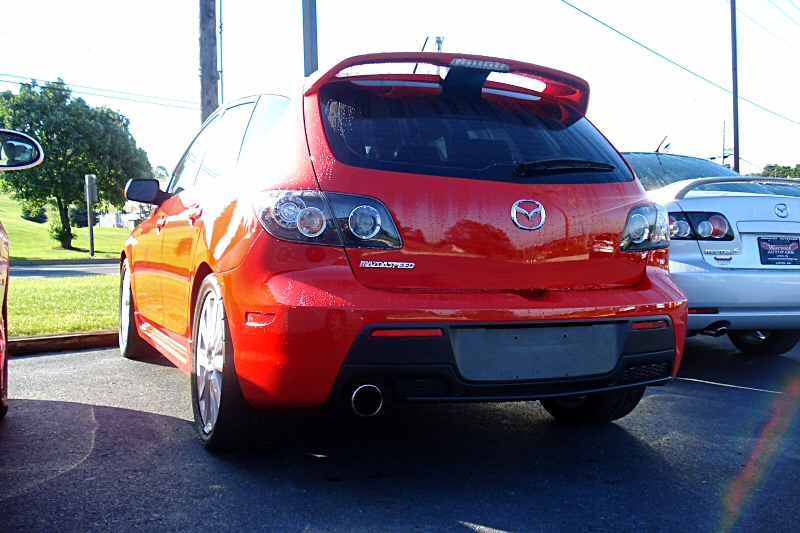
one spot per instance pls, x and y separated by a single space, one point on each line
561 165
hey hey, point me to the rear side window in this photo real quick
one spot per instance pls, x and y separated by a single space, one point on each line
186 171
268 110
223 151
411 127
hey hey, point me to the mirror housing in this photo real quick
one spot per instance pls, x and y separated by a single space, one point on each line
19 151
146 191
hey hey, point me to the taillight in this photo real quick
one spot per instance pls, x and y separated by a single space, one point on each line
313 217
700 226
679 227
647 228
364 222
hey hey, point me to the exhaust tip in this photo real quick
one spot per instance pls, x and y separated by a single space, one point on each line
366 400
717 329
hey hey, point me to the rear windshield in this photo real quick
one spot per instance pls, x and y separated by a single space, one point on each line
411 127
656 170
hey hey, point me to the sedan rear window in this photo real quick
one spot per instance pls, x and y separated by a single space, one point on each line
656 170
404 126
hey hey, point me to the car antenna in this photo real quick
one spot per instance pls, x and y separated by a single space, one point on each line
675 125
423 49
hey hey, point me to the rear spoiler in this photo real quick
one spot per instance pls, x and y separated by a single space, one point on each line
734 179
564 87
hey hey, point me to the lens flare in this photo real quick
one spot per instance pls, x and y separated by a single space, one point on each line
742 488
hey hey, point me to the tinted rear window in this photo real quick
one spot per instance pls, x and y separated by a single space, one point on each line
656 170
411 127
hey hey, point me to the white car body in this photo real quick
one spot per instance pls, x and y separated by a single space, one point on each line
747 282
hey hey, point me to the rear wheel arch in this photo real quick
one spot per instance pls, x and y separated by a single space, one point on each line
203 270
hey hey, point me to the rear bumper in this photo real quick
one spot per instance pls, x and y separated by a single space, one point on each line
428 370
313 337
744 298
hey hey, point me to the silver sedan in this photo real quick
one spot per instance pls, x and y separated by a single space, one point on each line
735 248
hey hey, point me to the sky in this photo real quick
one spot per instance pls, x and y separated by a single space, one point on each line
149 49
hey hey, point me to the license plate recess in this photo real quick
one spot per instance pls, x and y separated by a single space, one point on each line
532 353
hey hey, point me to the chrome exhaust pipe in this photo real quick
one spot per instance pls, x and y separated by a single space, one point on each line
717 329
366 400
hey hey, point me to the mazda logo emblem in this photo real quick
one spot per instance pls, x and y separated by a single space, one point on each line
782 210
528 219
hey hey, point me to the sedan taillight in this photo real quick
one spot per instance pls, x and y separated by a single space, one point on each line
699 226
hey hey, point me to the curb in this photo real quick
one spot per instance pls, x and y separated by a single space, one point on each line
36 344
37 262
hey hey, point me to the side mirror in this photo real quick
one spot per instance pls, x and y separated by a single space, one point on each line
19 151
146 191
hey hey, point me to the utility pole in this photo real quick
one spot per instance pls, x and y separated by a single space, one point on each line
209 76
310 59
723 143
735 89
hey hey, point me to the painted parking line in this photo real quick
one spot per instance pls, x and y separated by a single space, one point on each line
730 386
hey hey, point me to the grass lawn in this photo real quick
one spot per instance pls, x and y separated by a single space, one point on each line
59 305
29 240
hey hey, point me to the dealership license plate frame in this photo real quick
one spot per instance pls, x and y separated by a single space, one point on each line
779 257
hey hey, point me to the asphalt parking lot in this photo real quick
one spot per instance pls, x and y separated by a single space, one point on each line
94 442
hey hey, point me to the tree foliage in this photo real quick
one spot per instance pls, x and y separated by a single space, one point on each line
77 140
780 171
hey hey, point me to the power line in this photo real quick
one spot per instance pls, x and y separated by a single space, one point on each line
751 19
665 58
695 15
785 13
85 93
104 90
754 164
795 5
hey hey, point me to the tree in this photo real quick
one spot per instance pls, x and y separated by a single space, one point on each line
77 140
781 171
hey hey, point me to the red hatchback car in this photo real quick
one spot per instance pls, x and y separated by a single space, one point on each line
375 232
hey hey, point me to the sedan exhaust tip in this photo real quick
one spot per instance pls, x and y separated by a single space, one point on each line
367 400
717 329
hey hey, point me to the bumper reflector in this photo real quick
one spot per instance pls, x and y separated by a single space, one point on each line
652 324
434 332
259 319
703 311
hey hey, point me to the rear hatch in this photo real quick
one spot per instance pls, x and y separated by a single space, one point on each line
492 186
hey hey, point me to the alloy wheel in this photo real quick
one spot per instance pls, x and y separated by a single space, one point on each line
210 360
124 309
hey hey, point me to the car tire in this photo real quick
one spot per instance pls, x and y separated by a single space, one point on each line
594 408
765 342
224 420
4 387
131 344
4 369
